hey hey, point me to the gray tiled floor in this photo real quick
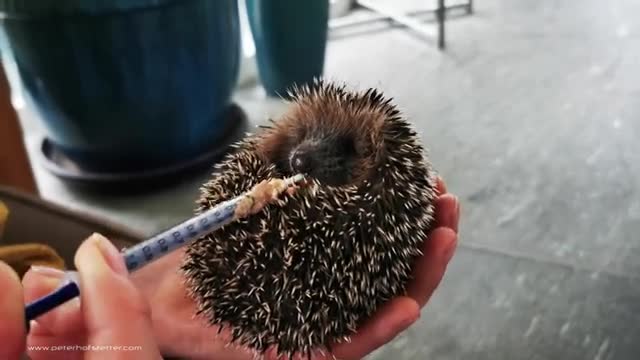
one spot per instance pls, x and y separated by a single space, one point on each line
532 117
499 307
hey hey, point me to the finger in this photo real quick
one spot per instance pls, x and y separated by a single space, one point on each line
392 318
430 268
272 354
12 325
62 326
447 212
441 187
62 321
115 313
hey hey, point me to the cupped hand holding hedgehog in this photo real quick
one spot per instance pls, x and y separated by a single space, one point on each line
336 269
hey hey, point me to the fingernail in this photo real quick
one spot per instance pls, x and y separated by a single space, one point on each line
454 216
47 276
437 182
451 249
49 272
112 256
408 321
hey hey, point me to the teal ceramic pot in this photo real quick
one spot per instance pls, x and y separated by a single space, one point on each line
290 38
125 85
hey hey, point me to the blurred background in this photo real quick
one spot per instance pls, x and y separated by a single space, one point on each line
116 110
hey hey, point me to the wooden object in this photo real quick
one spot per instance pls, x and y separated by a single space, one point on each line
22 256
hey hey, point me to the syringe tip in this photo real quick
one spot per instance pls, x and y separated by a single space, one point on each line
297 178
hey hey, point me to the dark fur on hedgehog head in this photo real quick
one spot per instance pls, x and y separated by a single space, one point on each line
332 139
305 272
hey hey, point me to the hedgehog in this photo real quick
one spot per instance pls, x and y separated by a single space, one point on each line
306 271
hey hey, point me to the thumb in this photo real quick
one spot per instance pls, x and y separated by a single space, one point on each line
117 318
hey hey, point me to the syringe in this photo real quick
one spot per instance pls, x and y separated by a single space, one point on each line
154 248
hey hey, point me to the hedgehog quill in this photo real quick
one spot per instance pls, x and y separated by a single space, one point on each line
304 273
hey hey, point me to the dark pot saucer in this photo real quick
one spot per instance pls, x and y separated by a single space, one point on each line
60 165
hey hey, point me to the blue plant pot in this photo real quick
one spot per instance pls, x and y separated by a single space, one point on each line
290 38
125 85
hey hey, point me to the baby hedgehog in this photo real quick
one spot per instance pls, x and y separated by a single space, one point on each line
307 270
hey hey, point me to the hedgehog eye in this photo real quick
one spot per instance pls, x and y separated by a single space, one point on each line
347 146
301 163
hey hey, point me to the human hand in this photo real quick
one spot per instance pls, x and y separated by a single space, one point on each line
180 334
111 319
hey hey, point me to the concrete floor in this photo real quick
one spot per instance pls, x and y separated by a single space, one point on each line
532 118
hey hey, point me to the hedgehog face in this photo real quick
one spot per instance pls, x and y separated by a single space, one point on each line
329 159
336 140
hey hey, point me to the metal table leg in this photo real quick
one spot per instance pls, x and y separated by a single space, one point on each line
441 13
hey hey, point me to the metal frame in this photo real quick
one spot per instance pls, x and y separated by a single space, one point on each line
408 20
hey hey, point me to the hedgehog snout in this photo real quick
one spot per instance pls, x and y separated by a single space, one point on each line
327 167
